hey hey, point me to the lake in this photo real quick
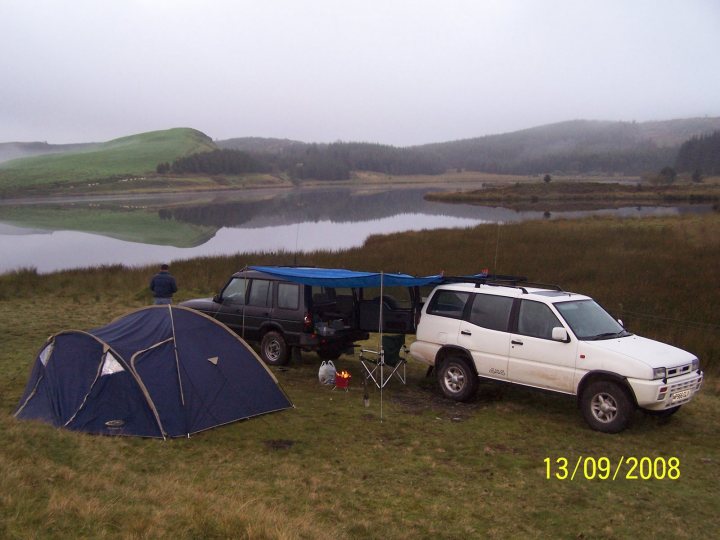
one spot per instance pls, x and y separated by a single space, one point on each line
71 233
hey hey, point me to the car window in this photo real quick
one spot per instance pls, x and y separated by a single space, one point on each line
492 312
323 295
536 319
288 296
448 304
260 293
234 293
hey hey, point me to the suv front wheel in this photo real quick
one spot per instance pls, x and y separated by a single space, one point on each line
606 406
274 350
457 379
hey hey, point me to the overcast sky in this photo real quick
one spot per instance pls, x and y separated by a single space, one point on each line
391 71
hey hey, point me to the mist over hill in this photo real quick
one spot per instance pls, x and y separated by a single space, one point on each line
16 150
578 146
258 144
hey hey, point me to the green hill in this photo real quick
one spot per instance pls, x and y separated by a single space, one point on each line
128 156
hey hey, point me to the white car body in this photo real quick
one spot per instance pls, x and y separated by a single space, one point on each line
660 377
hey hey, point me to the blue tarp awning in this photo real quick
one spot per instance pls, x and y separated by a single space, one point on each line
338 277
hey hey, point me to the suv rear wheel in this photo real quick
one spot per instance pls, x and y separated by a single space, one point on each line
457 379
274 350
606 406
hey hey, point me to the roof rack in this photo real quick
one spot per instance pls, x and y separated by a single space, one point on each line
500 280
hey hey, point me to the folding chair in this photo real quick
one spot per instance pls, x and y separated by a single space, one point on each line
387 362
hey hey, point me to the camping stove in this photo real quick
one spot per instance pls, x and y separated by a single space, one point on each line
342 380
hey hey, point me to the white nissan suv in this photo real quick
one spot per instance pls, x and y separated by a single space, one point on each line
554 340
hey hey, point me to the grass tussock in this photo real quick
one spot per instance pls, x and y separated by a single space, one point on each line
432 468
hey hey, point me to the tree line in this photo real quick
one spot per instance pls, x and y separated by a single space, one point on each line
216 162
317 161
336 161
700 155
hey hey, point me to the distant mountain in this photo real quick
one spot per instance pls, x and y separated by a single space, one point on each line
15 150
574 147
127 156
577 146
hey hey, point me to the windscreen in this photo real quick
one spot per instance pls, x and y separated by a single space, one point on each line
589 321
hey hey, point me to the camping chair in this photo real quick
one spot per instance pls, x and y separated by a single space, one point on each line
387 362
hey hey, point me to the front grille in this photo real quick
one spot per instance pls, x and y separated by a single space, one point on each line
679 387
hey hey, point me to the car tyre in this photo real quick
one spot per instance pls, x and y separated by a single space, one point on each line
606 406
457 379
274 350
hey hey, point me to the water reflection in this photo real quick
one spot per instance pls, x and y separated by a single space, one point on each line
260 221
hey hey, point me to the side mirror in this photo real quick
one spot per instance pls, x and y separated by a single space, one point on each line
217 299
559 334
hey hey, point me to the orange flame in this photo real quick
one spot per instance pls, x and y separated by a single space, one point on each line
343 374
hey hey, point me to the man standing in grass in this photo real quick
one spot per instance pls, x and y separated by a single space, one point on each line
163 286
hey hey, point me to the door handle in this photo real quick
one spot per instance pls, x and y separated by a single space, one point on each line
516 342
466 333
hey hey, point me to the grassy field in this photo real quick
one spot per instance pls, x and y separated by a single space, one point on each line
330 468
122 161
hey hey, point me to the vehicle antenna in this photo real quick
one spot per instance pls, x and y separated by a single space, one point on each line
497 248
297 238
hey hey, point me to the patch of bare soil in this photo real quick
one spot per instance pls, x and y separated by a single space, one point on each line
427 397
278 444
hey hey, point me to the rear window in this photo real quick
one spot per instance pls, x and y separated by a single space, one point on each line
448 304
288 296
492 312
260 293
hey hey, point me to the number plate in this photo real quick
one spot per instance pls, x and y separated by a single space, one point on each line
679 396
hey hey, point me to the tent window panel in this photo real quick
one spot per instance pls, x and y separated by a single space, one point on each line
45 354
288 296
111 365
260 293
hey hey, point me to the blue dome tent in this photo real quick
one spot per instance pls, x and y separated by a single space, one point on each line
160 371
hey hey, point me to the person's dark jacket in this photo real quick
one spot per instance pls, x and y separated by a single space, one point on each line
163 285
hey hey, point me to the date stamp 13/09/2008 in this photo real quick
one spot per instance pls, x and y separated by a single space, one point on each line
605 468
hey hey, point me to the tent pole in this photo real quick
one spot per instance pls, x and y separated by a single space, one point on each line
380 347
244 270
177 369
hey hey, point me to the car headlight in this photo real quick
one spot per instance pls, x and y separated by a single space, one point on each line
659 373
695 365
